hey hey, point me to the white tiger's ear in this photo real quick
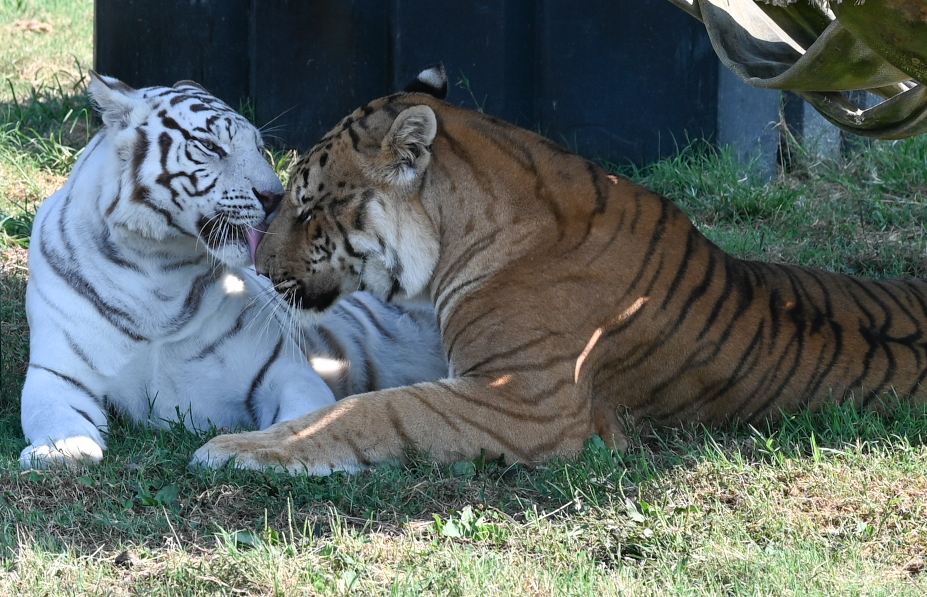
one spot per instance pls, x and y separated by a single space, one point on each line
114 99
406 149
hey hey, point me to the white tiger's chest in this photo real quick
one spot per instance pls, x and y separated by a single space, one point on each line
196 347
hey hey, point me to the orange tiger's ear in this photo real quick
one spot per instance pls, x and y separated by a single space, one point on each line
113 98
406 149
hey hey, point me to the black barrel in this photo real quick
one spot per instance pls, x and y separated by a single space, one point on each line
614 79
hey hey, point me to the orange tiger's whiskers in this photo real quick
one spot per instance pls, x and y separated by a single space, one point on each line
634 308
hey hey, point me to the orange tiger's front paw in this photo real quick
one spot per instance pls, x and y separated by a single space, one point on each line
252 450
259 450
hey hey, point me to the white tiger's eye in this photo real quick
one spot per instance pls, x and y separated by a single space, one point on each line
211 147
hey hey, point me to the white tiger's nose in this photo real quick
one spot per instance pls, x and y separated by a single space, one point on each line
269 200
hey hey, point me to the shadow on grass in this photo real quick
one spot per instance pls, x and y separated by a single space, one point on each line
40 136
144 492
14 349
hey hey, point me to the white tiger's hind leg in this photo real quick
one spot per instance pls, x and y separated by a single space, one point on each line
63 425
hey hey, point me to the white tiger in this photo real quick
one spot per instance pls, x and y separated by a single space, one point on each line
142 297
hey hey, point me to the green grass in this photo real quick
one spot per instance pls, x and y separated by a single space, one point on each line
829 504
864 215
833 503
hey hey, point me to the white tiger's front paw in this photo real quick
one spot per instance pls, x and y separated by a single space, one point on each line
72 451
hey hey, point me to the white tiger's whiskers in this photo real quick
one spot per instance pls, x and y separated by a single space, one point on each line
209 238
264 128
275 137
201 231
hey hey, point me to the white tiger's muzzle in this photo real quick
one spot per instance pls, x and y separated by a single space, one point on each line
235 228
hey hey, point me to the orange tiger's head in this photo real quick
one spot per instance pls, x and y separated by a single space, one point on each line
352 218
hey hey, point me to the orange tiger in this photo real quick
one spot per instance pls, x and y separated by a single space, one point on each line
568 300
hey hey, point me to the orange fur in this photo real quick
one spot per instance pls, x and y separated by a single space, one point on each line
567 298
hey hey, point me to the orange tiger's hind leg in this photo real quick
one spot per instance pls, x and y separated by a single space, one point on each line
607 425
451 420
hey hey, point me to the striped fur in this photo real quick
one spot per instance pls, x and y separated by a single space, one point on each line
142 297
569 300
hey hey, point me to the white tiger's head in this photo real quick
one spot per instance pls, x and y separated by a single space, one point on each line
189 165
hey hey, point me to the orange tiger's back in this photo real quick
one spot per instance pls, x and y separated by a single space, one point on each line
665 324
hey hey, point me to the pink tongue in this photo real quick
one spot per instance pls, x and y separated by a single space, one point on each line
254 236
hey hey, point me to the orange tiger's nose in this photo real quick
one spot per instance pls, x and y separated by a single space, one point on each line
269 200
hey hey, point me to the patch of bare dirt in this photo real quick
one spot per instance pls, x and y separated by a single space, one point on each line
32 26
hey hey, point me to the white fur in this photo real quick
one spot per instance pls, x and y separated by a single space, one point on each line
417 248
151 351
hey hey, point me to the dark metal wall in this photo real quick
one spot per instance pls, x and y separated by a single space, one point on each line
614 79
